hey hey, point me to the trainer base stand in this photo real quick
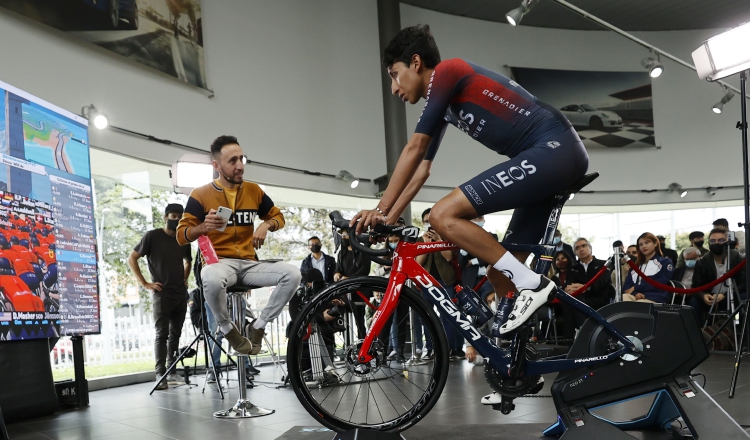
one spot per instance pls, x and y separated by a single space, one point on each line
672 347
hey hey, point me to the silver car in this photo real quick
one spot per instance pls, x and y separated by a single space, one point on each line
583 115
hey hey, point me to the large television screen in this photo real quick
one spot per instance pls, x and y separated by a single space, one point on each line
48 264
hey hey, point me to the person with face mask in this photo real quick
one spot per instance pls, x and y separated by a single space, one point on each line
317 259
665 251
350 264
696 241
169 265
561 246
684 273
712 266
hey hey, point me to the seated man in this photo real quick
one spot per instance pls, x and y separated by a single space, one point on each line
596 296
235 245
712 266
684 273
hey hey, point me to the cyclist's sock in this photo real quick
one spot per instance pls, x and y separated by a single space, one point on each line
259 323
522 276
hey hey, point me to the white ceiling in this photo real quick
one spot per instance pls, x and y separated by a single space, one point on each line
630 15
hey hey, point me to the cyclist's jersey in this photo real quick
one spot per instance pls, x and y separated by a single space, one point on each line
488 106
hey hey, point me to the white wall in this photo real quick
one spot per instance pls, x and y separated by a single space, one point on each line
297 82
698 148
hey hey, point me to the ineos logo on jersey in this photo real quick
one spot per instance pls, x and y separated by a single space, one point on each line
504 179
243 217
449 308
427 99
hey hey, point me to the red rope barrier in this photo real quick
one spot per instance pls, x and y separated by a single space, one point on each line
735 270
585 286
364 298
480 283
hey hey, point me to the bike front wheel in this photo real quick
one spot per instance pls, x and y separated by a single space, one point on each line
386 394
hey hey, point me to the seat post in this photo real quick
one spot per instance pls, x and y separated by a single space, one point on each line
243 408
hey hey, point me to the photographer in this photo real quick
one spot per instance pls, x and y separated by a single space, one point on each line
329 322
712 266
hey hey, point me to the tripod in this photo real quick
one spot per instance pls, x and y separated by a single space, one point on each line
742 125
203 335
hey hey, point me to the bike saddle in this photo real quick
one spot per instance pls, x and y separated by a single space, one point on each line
581 183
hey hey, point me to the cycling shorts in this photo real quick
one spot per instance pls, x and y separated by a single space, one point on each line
528 183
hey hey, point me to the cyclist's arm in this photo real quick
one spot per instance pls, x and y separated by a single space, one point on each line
415 184
395 199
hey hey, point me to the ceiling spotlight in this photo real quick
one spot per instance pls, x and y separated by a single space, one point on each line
711 191
572 195
100 120
346 176
719 106
676 187
514 17
654 66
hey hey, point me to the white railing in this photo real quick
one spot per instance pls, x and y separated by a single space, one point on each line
129 339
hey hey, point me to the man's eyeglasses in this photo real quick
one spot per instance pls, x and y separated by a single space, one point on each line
717 241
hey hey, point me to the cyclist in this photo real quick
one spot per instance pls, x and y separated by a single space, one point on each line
546 156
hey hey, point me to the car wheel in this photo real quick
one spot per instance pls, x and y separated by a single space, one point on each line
596 123
132 23
113 14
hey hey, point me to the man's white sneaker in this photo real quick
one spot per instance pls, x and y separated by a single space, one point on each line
527 302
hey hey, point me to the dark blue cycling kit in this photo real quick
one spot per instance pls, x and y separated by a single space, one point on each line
546 154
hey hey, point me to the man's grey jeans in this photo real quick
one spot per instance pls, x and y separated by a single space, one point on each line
229 272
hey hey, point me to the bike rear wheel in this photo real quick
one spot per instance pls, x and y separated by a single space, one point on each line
381 395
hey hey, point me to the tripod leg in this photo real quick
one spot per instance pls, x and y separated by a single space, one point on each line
173 365
738 354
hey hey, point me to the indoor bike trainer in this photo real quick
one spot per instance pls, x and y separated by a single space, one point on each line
671 344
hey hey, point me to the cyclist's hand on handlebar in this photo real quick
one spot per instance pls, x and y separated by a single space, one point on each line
367 218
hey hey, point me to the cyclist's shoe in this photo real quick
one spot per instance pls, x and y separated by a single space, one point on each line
527 302
492 399
428 355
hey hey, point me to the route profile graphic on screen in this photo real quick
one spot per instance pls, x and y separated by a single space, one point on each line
48 272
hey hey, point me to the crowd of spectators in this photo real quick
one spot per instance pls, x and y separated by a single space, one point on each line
573 266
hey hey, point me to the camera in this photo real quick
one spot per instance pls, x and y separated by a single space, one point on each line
335 311
731 239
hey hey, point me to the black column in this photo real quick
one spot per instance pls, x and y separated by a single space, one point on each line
394 111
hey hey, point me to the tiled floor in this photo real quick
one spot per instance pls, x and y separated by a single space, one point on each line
130 413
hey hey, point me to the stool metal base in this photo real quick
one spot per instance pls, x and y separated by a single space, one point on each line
243 409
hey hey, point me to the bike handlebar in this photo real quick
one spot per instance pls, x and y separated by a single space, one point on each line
356 240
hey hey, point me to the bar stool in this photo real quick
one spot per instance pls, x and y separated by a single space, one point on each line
243 408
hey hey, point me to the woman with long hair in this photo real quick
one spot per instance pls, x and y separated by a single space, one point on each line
562 262
655 266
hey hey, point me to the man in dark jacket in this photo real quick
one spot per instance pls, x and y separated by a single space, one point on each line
596 296
326 264
561 246
712 266
667 252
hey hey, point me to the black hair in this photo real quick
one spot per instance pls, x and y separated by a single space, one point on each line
721 222
713 231
617 243
410 41
567 256
220 142
425 212
695 234
314 237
